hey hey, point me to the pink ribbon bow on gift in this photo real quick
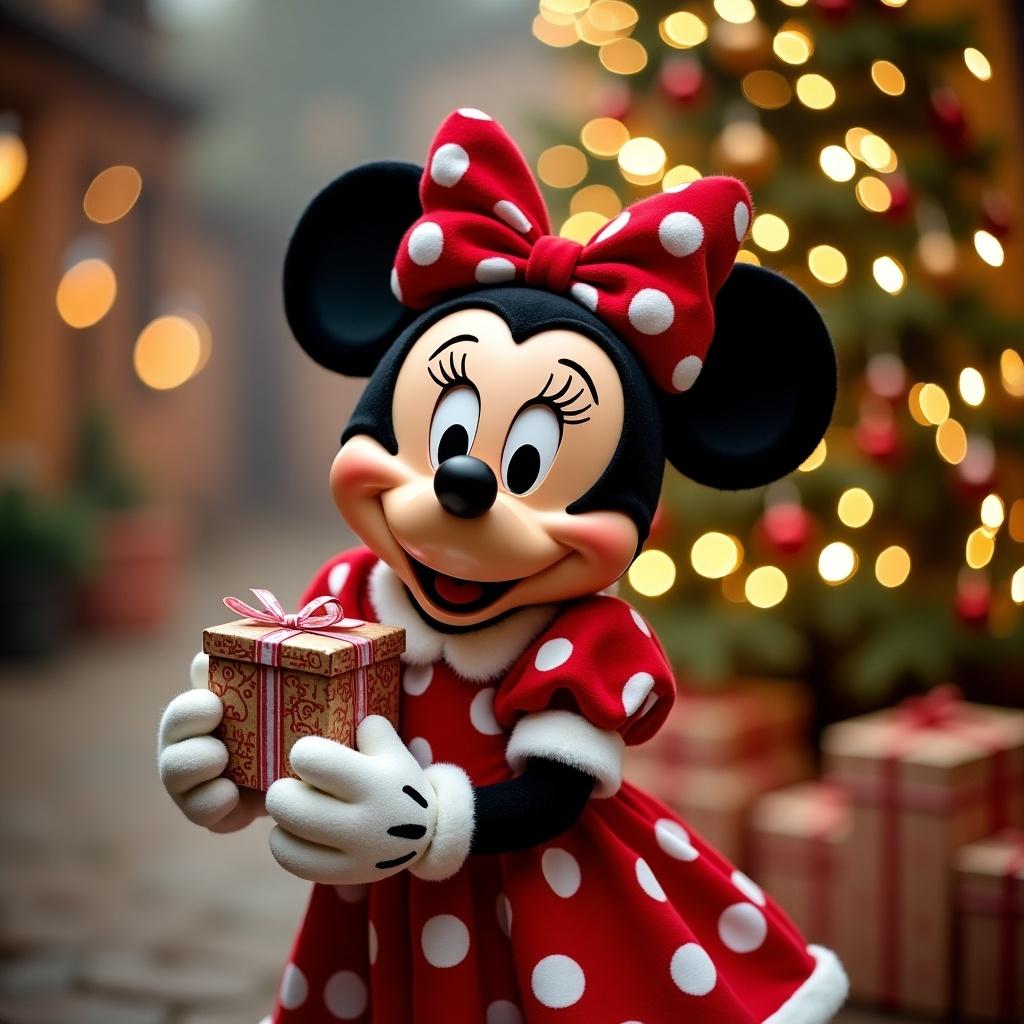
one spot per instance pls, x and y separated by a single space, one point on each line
305 619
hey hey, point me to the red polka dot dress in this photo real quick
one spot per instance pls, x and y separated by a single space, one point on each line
626 918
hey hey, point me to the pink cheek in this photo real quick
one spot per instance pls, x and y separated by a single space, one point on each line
608 539
357 472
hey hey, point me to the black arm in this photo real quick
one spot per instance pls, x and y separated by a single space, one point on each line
531 809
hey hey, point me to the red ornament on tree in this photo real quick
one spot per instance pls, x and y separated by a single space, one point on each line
682 79
878 438
998 212
901 197
835 10
973 600
949 120
786 529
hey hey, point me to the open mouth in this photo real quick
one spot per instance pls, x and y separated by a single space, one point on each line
455 595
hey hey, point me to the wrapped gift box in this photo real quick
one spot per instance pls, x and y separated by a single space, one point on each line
989 899
922 780
280 684
795 838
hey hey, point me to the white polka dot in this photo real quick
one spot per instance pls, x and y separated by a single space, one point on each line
652 699
742 927
558 981
613 227
420 749
651 312
680 233
503 911
425 243
372 944
337 577
741 220
638 621
449 163
474 114
585 295
416 679
351 893
636 690
674 839
501 1011
692 970
345 995
679 188
396 288
649 884
481 713
511 214
445 941
561 871
495 270
552 654
294 988
686 372
749 888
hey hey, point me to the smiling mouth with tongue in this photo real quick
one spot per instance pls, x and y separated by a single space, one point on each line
456 595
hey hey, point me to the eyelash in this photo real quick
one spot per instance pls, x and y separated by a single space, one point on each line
448 376
561 405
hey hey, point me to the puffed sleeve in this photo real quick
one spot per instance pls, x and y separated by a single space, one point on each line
345 576
595 681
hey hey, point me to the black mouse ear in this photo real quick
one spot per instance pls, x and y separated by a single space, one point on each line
337 271
765 395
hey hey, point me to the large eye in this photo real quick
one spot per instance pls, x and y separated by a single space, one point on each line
530 448
454 424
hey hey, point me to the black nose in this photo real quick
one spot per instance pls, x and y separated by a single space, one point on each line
465 486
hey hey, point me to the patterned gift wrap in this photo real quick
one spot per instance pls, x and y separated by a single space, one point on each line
279 685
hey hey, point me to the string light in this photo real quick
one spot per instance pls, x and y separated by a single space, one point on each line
681 174
13 157
112 193
556 35
737 12
1016 524
683 30
1011 369
853 138
86 292
746 256
837 562
951 441
766 586
623 56
972 386
604 136
855 507
565 6
770 232
989 248
815 459
888 78
980 548
877 153
556 17
889 274
894 3
715 555
613 15
562 166
581 227
795 3
914 405
793 44
1017 586
873 194
597 199
837 163
167 352
815 92
642 160
977 63
892 567
766 89
827 264
934 404
653 573
993 511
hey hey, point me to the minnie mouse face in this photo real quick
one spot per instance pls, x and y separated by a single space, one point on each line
509 447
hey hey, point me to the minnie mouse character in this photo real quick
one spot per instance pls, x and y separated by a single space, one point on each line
502 467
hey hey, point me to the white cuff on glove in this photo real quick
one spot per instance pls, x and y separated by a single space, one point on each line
453 830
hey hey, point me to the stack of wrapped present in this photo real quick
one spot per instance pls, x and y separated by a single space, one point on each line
719 751
906 859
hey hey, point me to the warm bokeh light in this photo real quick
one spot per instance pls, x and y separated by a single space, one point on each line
1015 526
624 56
598 199
977 63
681 174
642 160
827 264
653 573
837 562
112 193
989 248
837 163
972 386
766 89
793 43
877 153
934 404
715 555
980 548
582 226
604 136
86 292
937 252
562 166
873 194
889 274
855 507
951 441
13 162
888 78
746 256
1011 370
552 34
683 30
612 15
770 232
892 567
565 6
815 459
738 12
167 352
815 92
766 586
993 511
1017 586
205 340
853 138
914 405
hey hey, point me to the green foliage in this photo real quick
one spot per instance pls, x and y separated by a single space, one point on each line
101 475
48 536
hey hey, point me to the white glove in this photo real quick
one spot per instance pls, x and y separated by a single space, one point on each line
191 760
361 815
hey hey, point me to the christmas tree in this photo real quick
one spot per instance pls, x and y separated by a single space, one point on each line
891 560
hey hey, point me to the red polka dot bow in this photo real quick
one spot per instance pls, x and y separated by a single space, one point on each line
651 273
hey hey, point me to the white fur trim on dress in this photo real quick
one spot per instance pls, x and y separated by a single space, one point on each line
819 998
570 739
479 656
453 832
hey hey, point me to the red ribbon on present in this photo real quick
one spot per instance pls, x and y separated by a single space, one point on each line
329 622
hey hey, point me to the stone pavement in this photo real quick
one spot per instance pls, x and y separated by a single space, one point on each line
113 908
